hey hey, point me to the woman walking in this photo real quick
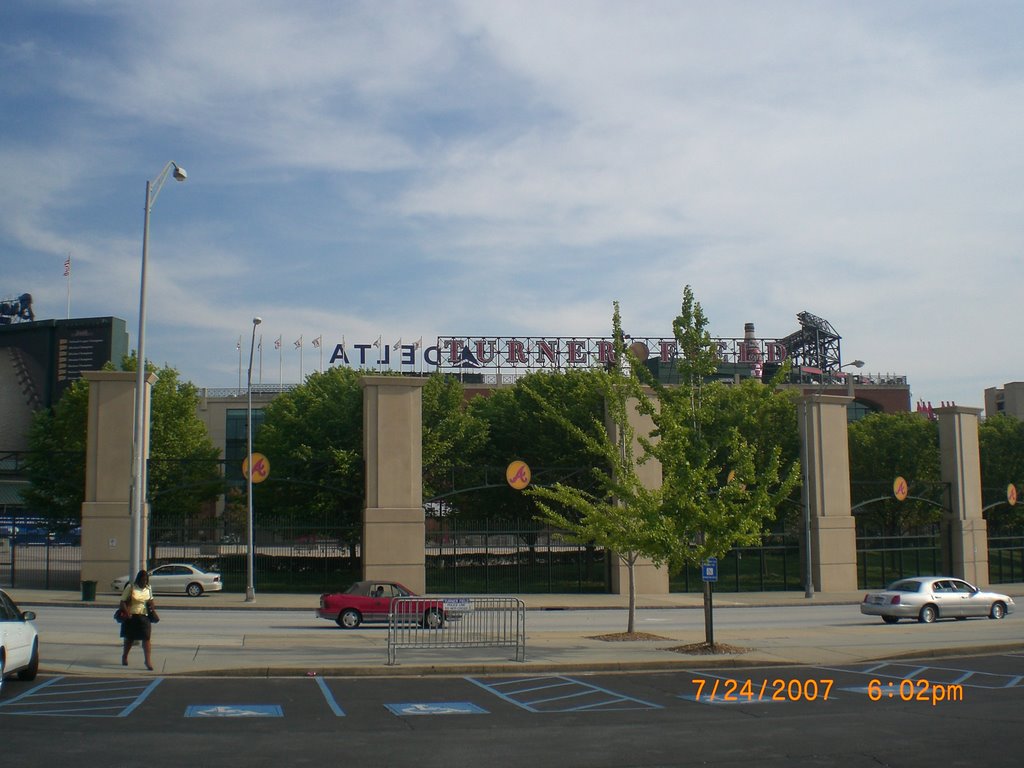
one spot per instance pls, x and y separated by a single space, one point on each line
136 602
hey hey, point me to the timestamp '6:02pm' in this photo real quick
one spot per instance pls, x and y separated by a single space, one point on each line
779 689
917 689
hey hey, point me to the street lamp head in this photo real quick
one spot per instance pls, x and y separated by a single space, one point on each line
857 363
179 173
257 320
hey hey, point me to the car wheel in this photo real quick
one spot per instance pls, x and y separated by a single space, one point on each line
928 614
433 619
30 672
349 619
890 619
194 589
998 611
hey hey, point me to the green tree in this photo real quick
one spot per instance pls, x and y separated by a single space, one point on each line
182 472
725 473
313 438
56 458
453 437
518 430
1001 440
621 514
183 469
884 446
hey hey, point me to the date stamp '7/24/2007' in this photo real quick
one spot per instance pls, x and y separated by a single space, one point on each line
728 690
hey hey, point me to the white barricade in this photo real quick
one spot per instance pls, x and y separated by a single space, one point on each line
425 623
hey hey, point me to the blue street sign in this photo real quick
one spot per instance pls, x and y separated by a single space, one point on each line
709 569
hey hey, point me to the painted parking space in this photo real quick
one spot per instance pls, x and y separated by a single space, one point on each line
923 677
436 708
73 697
555 693
234 710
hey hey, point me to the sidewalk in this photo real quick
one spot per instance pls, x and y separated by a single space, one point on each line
235 648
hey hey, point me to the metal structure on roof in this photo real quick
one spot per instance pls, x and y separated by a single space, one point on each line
815 345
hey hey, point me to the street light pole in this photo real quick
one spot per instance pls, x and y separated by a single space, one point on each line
849 376
141 428
250 589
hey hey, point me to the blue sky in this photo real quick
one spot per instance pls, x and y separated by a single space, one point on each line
405 170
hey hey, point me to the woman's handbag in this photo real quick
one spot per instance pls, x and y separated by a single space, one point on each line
154 617
120 615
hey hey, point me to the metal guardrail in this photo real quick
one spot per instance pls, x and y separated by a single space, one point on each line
419 623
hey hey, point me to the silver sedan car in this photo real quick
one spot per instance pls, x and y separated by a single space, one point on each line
927 598
176 579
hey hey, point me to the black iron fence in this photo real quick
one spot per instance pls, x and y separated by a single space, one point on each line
496 557
883 559
774 566
286 558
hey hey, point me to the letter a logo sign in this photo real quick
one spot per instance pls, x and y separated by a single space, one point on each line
518 475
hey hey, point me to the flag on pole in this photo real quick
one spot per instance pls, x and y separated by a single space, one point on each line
398 344
298 343
277 342
317 340
377 342
238 344
67 266
419 343
259 345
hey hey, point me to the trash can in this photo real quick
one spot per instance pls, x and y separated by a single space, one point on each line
89 591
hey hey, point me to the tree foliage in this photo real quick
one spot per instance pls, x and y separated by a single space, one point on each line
884 446
313 438
518 430
622 514
725 471
1001 440
182 473
55 464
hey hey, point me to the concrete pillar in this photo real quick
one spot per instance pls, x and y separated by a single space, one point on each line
106 509
649 578
393 523
829 523
963 526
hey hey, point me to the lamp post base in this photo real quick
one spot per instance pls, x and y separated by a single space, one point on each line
250 595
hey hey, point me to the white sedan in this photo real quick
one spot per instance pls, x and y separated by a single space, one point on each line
19 641
177 579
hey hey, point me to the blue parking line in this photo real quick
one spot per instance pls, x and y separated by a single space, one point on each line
331 701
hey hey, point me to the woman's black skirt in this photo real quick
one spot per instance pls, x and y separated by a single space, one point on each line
136 628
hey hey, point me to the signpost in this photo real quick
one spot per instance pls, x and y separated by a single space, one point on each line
709 573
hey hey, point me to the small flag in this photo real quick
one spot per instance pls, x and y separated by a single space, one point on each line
317 340
67 266
260 345
398 344
419 343
277 343
238 344
377 342
298 343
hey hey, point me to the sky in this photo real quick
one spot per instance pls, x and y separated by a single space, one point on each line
403 170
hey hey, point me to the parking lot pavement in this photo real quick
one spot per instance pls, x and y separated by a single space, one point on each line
246 651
